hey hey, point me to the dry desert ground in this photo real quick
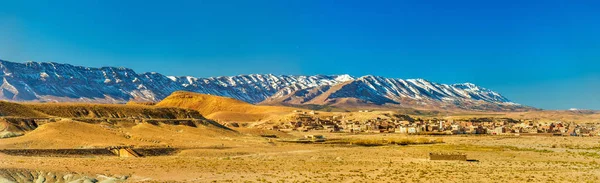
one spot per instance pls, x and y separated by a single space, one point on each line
75 143
247 157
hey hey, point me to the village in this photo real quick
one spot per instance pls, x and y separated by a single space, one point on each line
398 123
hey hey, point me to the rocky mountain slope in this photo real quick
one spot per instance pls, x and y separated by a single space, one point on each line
42 81
377 91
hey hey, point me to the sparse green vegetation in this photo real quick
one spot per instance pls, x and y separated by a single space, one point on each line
383 142
590 154
513 148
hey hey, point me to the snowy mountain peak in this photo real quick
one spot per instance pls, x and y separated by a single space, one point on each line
48 81
344 77
466 86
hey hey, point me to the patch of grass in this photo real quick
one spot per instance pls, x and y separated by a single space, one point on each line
590 154
513 148
464 147
384 142
468 147
369 142
408 141
578 146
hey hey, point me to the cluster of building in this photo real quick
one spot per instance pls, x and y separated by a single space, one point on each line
405 124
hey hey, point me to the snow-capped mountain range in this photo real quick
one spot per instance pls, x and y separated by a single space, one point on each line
44 81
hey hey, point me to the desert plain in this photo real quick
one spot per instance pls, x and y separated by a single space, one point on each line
246 158
68 143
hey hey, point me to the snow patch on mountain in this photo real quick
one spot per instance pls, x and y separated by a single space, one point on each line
48 81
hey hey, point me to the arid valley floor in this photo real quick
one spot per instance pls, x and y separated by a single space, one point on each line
246 158
67 143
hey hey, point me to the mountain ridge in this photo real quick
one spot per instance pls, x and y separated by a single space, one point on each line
56 82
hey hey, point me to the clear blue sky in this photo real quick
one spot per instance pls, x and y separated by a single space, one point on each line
540 53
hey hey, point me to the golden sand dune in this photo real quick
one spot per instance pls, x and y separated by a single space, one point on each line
74 134
179 135
223 108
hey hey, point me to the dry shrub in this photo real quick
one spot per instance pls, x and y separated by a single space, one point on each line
402 141
369 142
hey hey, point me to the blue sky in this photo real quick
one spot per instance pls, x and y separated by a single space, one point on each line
540 53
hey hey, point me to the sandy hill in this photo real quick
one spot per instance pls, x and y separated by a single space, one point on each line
223 108
24 118
67 134
74 134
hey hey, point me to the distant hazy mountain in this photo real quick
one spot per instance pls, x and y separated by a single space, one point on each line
35 81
